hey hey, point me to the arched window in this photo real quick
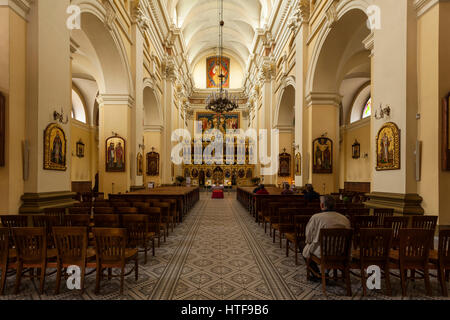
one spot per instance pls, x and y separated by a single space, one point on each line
78 109
367 111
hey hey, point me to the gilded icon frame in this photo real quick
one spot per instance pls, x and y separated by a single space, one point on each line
51 132
394 163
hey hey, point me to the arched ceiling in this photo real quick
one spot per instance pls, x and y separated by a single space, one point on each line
199 23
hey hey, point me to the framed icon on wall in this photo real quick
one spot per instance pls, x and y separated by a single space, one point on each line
55 145
115 154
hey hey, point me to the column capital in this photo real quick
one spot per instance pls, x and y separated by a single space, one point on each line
115 99
267 70
21 7
153 128
323 98
300 16
168 69
139 17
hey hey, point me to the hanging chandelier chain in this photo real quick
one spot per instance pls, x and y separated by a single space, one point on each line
221 101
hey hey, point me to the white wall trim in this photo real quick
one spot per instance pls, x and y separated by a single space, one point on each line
323 98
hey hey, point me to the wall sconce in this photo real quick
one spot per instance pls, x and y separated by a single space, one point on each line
383 111
60 116
356 150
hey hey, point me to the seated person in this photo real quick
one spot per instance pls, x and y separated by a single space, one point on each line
262 190
310 193
286 189
327 219
256 189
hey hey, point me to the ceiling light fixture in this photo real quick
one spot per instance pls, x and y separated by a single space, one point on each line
221 101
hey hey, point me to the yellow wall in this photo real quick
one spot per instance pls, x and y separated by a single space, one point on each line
357 170
152 139
115 118
286 140
13 84
324 119
81 169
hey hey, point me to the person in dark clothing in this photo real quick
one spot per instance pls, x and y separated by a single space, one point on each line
310 194
96 183
286 189
257 189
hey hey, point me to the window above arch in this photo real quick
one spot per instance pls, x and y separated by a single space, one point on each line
78 107
367 111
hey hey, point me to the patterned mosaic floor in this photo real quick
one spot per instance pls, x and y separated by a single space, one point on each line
219 252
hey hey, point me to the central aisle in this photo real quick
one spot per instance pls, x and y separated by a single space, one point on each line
219 257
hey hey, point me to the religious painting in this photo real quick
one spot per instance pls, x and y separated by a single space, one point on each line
214 67
2 129
222 122
298 164
227 173
139 164
194 173
322 155
115 154
208 173
80 149
446 133
187 172
388 147
356 150
54 148
241 173
153 164
284 169
249 173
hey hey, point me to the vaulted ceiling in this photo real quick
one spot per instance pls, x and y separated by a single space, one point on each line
199 23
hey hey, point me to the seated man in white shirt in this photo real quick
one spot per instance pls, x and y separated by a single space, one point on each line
327 219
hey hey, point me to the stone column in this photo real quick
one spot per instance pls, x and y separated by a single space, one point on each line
49 90
169 77
137 113
300 28
394 83
13 41
265 121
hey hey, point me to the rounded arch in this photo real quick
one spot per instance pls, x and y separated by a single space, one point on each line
350 16
285 108
114 76
153 115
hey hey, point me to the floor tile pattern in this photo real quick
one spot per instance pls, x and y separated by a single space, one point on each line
218 253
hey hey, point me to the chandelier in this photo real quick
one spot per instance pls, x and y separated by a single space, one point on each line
221 101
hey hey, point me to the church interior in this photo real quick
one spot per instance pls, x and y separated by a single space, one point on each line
150 127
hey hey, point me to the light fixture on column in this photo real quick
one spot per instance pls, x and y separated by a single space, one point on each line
221 101
60 116
386 111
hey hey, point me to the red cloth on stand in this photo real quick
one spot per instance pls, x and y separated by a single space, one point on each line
217 194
